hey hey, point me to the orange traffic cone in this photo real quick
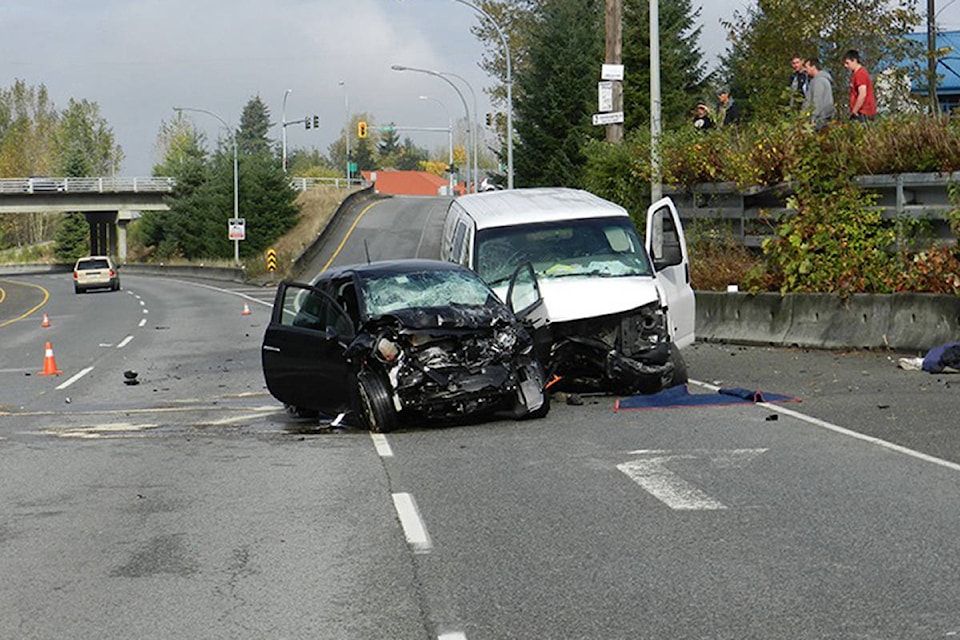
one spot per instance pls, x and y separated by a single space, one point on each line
49 362
46 321
246 309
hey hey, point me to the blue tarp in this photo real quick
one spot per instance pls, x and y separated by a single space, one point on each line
680 396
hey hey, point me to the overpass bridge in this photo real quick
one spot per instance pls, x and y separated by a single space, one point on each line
109 203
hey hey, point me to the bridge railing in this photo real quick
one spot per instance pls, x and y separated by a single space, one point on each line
137 185
87 185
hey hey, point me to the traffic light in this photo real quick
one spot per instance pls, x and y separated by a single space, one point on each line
306 122
316 122
489 119
362 129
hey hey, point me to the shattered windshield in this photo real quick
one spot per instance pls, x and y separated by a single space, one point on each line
594 246
413 290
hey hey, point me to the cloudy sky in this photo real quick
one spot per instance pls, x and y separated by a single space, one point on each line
139 58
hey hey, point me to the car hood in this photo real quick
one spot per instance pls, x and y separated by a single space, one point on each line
576 297
447 317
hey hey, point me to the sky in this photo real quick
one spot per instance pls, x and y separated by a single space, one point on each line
137 59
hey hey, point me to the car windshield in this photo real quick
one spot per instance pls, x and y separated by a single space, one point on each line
412 290
593 246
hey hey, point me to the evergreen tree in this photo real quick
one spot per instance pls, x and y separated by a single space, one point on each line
72 239
683 73
557 97
254 126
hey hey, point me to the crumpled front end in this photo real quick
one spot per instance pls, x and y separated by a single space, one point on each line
452 372
621 353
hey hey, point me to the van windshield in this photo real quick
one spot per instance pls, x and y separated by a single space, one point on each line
585 247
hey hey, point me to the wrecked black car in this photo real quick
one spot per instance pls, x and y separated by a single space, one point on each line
388 342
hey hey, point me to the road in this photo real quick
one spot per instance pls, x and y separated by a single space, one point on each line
190 505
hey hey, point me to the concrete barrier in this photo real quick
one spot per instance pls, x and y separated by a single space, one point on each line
903 322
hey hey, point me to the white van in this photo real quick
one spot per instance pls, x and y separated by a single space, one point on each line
618 310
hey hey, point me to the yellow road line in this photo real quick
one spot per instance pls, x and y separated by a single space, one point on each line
347 237
46 296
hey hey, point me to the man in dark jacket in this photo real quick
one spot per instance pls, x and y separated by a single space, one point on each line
729 110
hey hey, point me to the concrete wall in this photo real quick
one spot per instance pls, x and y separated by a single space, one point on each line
905 321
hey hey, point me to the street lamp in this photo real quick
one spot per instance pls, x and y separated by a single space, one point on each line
476 116
400 67
283 121
449 136
506 52
236 174
346 104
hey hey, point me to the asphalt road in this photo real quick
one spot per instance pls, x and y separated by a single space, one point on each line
191 505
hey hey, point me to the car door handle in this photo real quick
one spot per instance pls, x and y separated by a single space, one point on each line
267 347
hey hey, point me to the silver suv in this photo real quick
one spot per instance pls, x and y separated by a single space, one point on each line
95 272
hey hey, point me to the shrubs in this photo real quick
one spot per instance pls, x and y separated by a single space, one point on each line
834 240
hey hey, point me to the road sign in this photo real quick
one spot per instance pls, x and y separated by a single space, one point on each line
605 96
613 117
271 259
611 72
237 229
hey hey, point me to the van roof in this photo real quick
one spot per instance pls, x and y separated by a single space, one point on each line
545 204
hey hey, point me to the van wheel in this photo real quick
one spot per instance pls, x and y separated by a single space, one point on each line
376 406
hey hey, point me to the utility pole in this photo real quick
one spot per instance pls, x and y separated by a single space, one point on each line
932 57
656 188
613 54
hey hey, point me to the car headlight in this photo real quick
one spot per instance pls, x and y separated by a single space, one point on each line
388 350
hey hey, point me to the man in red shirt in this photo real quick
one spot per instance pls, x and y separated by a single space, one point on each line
863 105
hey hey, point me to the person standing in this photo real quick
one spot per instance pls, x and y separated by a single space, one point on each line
863 104
701 117
729 111
799 77
818 103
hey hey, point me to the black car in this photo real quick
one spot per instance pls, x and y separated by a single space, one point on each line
388 341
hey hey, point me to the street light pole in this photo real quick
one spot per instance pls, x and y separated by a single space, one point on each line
506 50
236 173
346 104
449 137
476 117
284 128
466 109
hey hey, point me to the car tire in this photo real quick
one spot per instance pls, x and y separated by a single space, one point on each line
375 404
679 375
77 290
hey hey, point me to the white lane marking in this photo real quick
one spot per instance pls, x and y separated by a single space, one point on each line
142 303
452 635
146 311
381 444
666 486
413 527
847 432
75 378
124 342
142 322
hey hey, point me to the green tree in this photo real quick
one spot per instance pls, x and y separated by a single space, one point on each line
72 239
85 142
410 156
765 36
254 127
683 72
555 99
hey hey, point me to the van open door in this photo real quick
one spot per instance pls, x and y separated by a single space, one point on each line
667 247
526 302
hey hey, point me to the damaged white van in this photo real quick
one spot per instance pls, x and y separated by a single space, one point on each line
619 310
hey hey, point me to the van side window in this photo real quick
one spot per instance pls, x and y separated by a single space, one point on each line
459 253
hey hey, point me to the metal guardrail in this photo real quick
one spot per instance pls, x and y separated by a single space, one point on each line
47 185
86 185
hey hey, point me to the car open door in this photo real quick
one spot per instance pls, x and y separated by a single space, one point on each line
668 250
526 302
303 349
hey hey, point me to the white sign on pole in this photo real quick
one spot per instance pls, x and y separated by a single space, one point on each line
237 229
611 72
613 117
604 96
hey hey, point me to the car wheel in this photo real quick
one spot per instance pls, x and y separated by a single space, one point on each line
679 375
77 290
376 405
